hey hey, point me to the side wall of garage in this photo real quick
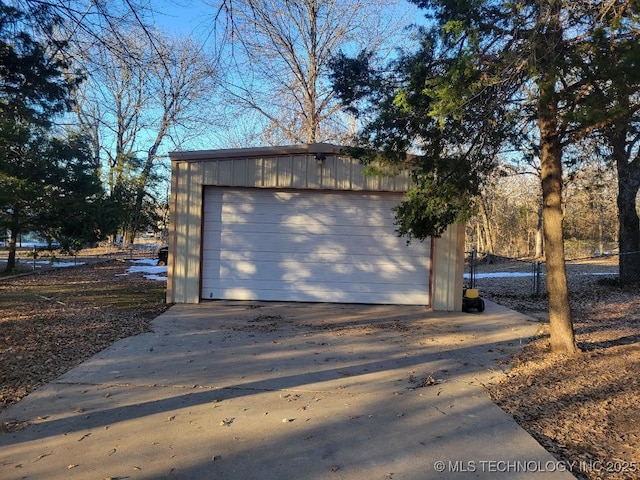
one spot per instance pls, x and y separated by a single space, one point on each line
302 167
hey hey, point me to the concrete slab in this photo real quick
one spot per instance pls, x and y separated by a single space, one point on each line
245 390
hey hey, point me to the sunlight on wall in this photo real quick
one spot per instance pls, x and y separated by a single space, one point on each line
330 234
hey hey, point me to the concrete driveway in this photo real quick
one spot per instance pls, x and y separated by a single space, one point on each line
238 390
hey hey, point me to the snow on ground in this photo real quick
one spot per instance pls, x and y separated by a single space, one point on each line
150 268
59 264
499 275
520 274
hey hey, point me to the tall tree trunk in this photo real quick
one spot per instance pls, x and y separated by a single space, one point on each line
145 175
562 337
11 260
560 317
488 232
600 236
629 230
539 237
479 241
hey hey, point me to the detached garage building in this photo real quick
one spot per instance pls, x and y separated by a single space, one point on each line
299 223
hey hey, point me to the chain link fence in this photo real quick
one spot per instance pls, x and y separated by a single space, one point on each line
499 276
31 258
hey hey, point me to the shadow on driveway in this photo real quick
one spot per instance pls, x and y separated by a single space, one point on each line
242 390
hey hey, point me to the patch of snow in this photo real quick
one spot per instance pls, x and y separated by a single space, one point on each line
521 274
151 262
150 268
56 264
499 275
156 277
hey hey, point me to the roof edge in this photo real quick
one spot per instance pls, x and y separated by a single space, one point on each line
221 154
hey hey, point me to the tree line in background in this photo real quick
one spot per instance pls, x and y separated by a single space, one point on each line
124 91
508 219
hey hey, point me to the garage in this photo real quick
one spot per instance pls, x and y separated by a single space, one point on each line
309 246
300 223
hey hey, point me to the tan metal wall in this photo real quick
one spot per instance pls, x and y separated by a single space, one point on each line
447 270
315 166
288 167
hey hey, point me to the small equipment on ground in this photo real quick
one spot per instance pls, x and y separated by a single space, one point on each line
471 300
163 256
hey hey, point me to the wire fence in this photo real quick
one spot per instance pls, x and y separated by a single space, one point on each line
517 277
34 257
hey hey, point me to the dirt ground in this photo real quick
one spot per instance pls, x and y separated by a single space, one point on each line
582 409
52 320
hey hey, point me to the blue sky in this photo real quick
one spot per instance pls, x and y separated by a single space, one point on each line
196 18
184 16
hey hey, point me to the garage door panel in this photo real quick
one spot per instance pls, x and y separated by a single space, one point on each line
328 257
315 294
293 221
279 296
256 244
308 246
320 255
237 209
300 226
309 285
334 251
319 273
378 243
377 271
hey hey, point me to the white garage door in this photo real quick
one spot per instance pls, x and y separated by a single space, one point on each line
309 246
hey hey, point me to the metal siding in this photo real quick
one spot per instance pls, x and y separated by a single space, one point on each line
182 232
240 172
448 269
344 178
210 173
358 181
225 172
371 182
172 280
402 182
329 177
387 183
286 170
270 175
254 172
185 234
298 171
299 167
314 173
194 222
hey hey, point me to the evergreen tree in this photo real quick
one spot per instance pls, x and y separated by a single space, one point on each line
612 112
488 77
45 181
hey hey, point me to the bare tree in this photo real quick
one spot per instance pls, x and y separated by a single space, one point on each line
280 54
505 223
132 105
510 210
66 22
